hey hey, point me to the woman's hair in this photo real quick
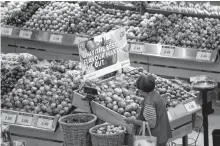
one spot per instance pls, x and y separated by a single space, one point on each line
145 83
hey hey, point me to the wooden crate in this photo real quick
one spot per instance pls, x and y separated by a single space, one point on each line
110 116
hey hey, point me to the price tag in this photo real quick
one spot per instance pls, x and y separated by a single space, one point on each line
138 48
44 123
25 34
24 119
169 116
56 38
6 31
191 106
8 118
167 50
79 39
203 55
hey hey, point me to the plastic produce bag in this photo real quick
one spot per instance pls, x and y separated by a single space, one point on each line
143 140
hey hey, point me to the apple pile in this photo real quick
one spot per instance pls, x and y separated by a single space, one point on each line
55 17
181 31
25 14
109 129
11 9
47 92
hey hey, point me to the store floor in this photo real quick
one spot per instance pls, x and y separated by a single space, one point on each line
214 123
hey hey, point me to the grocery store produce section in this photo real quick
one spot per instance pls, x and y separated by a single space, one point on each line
41 77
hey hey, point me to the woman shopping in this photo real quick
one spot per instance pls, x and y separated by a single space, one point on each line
153 111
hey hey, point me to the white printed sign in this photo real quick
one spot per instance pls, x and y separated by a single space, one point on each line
6 31
137 48
56 38
203 55
191 106
25 120
44 123
167 50
8 118
25 34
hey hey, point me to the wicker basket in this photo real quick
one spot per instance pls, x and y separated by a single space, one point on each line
77 134
107 139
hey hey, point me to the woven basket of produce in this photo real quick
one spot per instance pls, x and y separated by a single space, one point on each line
107 135
75 128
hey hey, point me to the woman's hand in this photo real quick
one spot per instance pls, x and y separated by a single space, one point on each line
130 120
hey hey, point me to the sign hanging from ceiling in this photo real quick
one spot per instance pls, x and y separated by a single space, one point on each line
104 54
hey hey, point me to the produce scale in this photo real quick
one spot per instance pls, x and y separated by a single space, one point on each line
40 44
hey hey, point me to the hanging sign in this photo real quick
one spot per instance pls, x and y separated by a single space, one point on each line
56 38
6 31
191 106
104 54
203 55
25 34
167 50
137 48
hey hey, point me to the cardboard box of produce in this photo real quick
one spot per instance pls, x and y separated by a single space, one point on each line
110 116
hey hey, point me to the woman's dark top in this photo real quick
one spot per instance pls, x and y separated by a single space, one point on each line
162 129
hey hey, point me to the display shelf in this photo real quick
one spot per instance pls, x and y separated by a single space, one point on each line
30 121
43 36
166 12
167 51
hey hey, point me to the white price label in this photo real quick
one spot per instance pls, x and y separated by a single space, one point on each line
167 50
203 55
25 34
138 48
169 116
56 38
191 106
79 39
44 123
8 118
24 120
6 31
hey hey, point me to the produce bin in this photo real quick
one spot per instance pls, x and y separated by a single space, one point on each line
216 137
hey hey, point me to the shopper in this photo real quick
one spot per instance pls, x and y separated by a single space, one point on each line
153 111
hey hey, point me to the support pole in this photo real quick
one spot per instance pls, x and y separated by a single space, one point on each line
205 119
185 140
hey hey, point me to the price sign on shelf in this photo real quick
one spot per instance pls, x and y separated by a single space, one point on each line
9 118
45 123
79 39
57 38
25 34
138 48
6 31
24 119
191 106
167 50
203 55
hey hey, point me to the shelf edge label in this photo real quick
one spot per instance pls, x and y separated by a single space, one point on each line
25 34
6 31
137 48
24 119
167 50
191 106
45 122
57 38
8 117
203 55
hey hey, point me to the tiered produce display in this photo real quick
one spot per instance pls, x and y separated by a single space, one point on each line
120 94
40 89
185 7
92 19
